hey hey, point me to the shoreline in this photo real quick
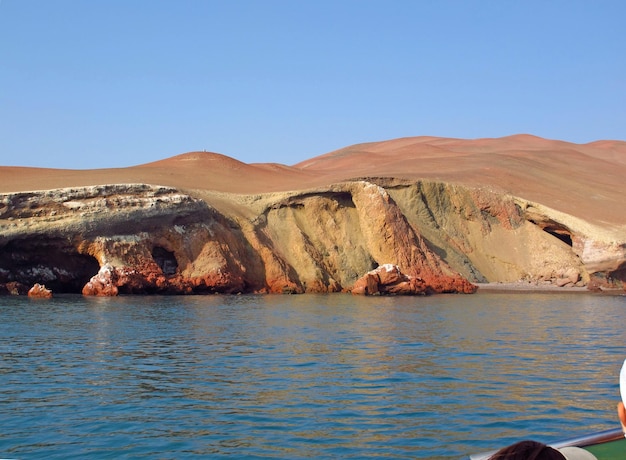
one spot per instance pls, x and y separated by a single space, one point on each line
544 288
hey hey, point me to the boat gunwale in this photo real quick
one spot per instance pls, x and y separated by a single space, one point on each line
591 439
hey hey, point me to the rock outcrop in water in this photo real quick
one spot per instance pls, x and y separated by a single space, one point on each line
388 279
40 291
326 235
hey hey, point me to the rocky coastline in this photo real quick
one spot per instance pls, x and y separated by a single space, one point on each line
388 234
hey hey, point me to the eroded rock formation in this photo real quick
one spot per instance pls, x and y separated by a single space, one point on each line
389 279
142 239
441 235
39 291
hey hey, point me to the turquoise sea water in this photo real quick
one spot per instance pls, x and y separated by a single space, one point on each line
311 376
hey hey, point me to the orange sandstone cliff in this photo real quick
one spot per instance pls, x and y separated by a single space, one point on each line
445 213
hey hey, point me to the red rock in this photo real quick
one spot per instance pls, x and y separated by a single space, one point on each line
40 291
389 279
15 288
368 284
449 285
103 283
386 279
390 274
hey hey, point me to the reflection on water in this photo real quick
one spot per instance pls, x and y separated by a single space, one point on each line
304 376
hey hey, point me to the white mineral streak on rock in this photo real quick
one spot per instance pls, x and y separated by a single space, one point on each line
387 267
373 188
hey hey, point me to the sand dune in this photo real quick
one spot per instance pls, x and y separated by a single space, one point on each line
585 180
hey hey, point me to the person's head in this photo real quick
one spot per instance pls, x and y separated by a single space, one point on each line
527 450
533 450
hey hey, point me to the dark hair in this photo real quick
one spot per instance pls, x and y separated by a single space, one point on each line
527 450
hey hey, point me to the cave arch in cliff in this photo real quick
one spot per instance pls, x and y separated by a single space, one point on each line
166 260
560 233
619 274
53 262
555 229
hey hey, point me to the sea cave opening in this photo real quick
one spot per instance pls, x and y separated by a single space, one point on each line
54 263
165 260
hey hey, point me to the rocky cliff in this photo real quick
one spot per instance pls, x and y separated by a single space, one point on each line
135 238
324 236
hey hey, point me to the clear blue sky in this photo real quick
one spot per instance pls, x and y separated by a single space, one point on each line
112 83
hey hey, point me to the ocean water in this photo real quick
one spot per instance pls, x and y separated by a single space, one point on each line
310 376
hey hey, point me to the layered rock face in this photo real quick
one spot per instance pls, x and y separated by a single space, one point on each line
129 238
142 239
494 237
135 238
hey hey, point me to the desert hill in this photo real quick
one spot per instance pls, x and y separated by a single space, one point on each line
488 210
586 180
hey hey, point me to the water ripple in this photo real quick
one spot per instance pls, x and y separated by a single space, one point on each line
304 376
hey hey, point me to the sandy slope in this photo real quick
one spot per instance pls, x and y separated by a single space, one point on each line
585 180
